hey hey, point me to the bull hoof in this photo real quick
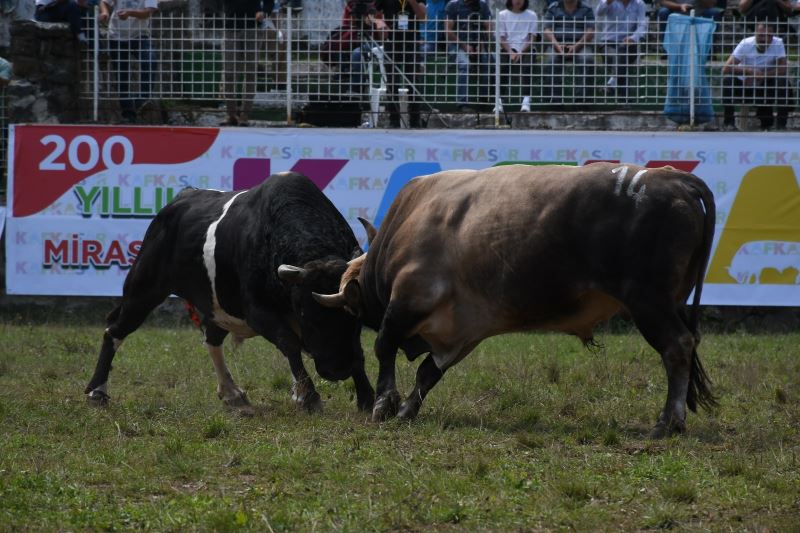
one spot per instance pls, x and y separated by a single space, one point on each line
386 406
237 401
408 411
663 430
97 398
312 403
366 404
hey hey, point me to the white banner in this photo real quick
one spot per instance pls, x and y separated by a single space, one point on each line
80 197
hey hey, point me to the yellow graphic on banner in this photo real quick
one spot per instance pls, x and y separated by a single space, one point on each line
760 242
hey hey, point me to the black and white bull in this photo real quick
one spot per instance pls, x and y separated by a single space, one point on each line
464 255
228 255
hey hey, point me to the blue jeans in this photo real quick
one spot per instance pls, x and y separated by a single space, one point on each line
433 29
122 55
463 63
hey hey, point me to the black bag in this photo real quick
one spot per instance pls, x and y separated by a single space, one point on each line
339 113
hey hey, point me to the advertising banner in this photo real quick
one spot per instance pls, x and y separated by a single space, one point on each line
81 197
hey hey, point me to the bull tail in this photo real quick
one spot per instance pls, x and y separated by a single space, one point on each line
699 383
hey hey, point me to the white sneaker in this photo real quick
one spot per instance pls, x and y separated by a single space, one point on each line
498 108
526 105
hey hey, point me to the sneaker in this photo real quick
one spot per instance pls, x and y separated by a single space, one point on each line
729 127
526 105
498 108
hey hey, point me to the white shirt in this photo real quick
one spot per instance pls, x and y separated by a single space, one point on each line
748 56
516 27
132 27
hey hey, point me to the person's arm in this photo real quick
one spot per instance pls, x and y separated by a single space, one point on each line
641 25
744 6
602 7
452 35
105 12
733 66
142 13
676 6
587 36
503 31
420 12
778 70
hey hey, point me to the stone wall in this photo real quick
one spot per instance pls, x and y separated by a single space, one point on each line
46 83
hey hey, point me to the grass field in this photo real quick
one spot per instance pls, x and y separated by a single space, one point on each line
530 432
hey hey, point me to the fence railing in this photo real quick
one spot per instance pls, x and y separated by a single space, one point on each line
404 74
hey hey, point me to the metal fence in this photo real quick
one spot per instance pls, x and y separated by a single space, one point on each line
402 74
3 140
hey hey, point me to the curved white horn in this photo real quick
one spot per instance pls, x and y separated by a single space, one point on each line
330 300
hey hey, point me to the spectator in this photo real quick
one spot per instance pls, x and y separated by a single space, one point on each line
569 28
702 8
70 11
400 47
342 50
624 26
756 74
129 39
241 45
433 25
468 27
518 28
772 10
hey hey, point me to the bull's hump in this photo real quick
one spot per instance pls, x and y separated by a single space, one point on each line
210 263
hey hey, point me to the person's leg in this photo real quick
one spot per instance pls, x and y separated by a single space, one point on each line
250 47
121 56
462 70
731 86
584 65
230 72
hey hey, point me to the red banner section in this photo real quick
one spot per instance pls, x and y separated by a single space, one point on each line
48 159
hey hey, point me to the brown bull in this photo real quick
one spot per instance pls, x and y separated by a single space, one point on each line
464 255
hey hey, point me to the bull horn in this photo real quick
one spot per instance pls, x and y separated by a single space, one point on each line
330 300
291 273
371 231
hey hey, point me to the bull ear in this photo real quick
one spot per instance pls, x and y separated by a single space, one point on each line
292 274
371 231
352 295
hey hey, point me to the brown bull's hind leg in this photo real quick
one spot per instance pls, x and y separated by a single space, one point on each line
666 332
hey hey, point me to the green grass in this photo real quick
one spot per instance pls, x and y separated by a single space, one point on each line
530 432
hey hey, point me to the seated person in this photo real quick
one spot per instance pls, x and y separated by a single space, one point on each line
624 24
756 74
569 28
70 11
518 27
702 8
469 31
773 10
348 44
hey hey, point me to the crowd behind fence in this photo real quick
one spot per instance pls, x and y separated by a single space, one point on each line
419 71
